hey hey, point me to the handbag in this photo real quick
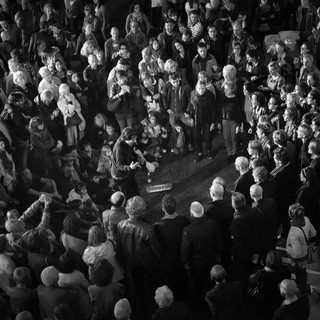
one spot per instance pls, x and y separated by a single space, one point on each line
255 292
113 104
74 120
313 250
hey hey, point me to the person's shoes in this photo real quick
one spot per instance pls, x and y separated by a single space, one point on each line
198 157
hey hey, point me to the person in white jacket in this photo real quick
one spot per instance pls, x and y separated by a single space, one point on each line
297 246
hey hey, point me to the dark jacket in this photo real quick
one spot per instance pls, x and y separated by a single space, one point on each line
244 230
298 310
203 109
139 244
123 155
177 311
176 99
201 242
270 219
225 302
243 184
231 108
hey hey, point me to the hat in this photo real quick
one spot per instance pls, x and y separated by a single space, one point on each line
14 226
49 276
196 209
122 309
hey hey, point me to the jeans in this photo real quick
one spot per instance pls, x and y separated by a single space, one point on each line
124 120
229 133
197 138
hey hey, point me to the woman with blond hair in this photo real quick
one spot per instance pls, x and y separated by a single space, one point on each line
72 118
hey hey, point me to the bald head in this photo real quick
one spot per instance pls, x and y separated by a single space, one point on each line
216 191
288 288
196 209
218 273
242 164
256 192
220 181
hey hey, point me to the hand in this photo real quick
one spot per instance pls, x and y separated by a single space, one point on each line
250 131
170 111
42 198
47 201
58 196
212 127
254 78
134 165
237 129
156 96
186 115
255 259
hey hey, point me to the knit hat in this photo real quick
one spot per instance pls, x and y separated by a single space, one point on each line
49 276
196 209
122 309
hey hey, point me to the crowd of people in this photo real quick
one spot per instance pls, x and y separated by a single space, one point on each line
87 100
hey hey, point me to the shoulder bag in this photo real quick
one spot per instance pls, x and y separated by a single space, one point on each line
313 250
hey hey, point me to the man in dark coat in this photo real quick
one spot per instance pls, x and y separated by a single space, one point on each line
169 232
269 217
139 247
293 307
245 180
200 248
245 235
124 163
221 211
224 299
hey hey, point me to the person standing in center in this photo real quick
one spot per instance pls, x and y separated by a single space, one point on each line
232 114
124 162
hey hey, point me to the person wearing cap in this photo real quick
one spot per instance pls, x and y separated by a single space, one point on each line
124 162
200 249
293 307
225 298
140 250
168 308
220 210
168 37
300 231
114 215
245 238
